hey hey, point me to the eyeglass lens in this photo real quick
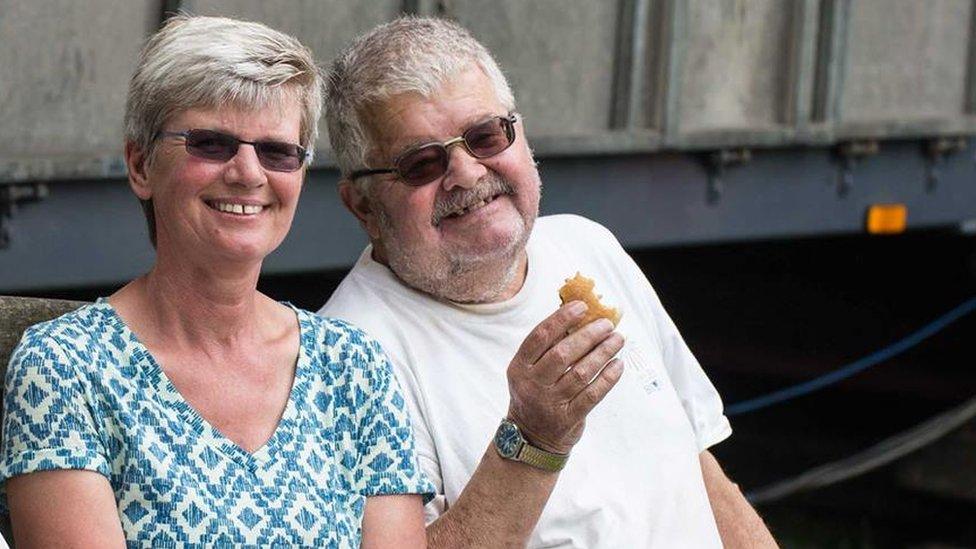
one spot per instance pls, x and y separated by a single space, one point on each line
428 162
273 155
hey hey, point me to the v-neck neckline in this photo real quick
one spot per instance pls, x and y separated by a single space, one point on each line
162 387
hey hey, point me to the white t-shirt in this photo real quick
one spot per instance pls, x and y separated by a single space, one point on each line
634 479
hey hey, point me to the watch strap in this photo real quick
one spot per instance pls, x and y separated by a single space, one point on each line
542 459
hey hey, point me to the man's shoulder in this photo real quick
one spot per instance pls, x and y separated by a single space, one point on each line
569 222
375 305
575 234
360 294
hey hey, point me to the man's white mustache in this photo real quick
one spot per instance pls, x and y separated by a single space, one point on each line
488 187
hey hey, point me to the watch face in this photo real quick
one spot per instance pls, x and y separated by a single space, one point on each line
508 440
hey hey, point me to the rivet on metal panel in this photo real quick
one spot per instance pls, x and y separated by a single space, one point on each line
850 153
10 196
715 164
936 151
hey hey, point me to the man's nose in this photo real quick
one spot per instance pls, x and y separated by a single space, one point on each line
244 169
463 170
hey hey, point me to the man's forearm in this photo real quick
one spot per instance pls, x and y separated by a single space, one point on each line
739 525
499 506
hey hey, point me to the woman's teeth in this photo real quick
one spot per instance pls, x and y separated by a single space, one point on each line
239 209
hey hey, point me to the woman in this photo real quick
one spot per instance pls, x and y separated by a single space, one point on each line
188 408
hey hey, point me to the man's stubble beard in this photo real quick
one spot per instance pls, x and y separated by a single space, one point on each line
457 275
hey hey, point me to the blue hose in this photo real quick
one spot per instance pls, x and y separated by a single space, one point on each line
855 367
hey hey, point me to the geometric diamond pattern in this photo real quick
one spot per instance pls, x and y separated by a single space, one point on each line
84 393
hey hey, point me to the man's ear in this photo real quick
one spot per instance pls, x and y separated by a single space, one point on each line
360 205
136 160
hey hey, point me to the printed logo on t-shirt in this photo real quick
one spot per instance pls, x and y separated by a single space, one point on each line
637 360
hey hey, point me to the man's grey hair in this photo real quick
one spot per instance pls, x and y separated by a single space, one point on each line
407 55
209 62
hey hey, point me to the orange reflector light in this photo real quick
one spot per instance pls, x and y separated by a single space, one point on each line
887 218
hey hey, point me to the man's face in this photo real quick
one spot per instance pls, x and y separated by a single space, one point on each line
475 218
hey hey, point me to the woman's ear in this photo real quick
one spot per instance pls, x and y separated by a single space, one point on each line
359 204
136 162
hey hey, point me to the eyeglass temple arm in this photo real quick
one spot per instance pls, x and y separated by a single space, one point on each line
363 173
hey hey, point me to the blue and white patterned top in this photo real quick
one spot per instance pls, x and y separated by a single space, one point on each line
83 393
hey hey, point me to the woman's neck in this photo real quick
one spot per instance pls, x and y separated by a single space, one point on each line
196 306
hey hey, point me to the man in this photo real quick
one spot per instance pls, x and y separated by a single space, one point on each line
459 284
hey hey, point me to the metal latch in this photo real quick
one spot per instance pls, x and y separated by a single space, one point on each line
850 153
936 151
715 163
10 197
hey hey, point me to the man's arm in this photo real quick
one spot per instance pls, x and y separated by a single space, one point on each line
499 506
739 525
554 381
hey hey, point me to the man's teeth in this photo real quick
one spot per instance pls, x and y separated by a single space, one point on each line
473 207
239 209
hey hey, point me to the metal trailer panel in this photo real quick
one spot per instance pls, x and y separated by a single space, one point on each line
906 67
736 61
573 40
324 26
66 67
620 77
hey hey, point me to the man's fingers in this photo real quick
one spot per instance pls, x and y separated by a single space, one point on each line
570 350
549 332
589 397
582 373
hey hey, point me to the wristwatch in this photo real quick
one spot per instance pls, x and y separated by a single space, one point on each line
510 444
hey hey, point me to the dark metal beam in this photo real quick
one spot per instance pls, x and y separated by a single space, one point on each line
91 232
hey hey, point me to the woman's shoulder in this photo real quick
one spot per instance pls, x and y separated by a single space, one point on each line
73 329
73 346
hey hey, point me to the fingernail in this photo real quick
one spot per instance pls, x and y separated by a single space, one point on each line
578 308
605 324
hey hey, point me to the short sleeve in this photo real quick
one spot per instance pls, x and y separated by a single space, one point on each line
48 422
699 398
388 460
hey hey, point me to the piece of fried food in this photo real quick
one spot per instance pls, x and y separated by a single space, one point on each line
581 288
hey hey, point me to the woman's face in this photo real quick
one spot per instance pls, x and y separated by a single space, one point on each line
228 211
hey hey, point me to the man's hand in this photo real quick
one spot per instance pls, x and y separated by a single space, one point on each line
557 377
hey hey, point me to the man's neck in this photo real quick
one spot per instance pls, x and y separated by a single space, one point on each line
491 282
